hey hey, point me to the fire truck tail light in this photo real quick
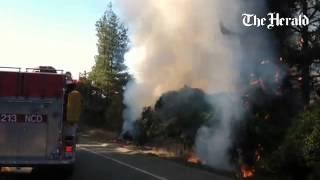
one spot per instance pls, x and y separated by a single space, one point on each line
69 149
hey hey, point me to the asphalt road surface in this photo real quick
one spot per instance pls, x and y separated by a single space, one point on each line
99 162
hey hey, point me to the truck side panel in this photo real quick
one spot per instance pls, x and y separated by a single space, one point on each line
43 85
9 84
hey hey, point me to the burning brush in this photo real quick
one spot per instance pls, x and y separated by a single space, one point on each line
194 159
246 171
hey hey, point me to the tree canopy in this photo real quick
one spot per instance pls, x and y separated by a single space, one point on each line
109 73
103 88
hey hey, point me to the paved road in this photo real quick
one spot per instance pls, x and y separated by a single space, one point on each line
99 162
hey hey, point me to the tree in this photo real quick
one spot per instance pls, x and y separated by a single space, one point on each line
109 75
93 104
109 72
177 115
299 154
300 44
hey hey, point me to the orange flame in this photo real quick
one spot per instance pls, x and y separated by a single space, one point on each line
246 171
194 159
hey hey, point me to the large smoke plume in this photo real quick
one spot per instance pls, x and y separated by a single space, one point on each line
197 43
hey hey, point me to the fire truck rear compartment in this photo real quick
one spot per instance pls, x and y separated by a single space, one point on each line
36 102
30 139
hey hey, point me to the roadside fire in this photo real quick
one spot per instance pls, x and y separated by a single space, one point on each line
194 159
6 170
246 171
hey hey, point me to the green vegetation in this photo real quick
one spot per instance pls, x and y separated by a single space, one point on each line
103 88
298 156
177 115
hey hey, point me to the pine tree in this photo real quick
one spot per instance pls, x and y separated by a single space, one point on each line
109 73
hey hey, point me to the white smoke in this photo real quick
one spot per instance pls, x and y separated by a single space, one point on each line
184 42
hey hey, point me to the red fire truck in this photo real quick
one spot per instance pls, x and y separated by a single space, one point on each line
39 110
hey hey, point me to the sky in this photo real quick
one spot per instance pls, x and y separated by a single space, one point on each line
59 33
